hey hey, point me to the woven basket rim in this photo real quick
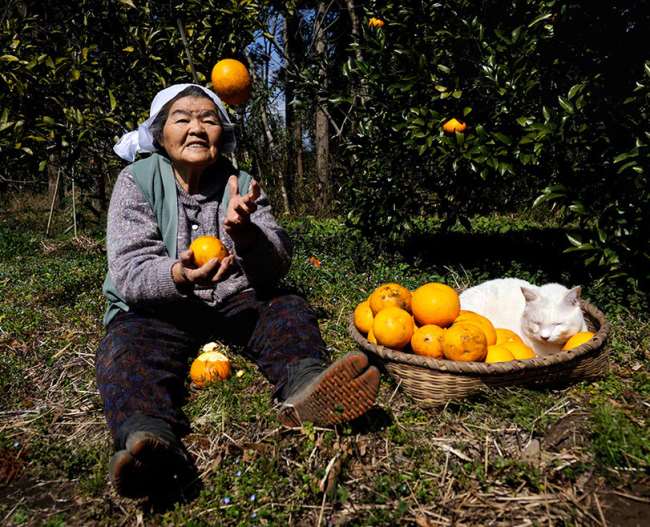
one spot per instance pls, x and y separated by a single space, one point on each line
499 368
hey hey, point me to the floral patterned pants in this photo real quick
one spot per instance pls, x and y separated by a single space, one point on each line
142 363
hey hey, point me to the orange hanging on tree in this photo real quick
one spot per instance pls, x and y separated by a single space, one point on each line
231 81
454 125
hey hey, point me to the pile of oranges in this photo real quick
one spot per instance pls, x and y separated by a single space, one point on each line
429 322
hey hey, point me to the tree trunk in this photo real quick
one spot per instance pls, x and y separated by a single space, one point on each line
322 125
276 174
295 171
354 22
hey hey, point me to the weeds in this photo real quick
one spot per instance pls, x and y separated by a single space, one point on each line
509 455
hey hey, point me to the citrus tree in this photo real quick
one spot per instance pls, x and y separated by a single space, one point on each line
547 102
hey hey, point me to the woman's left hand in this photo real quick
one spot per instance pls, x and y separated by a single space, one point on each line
237 223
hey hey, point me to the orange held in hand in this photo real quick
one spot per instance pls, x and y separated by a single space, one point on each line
207 247
231 81
208 367
435 303
393 328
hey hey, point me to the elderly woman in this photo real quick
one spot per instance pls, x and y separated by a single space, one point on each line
162 307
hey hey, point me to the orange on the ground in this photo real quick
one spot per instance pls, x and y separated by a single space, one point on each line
208 367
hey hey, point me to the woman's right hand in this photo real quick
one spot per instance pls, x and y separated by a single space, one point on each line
185 272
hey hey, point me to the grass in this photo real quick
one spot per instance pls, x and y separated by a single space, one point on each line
515 455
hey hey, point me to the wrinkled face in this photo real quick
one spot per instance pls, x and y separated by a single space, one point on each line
191 133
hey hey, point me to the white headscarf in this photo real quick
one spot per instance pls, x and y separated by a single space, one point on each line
141 140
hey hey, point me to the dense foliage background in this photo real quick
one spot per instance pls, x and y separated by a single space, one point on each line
346 117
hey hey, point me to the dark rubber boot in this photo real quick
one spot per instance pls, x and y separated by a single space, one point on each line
344 391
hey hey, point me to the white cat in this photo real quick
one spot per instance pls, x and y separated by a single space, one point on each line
544 317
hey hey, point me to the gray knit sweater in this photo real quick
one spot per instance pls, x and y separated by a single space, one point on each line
138 262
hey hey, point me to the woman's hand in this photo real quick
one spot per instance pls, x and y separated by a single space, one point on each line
185 272
237 223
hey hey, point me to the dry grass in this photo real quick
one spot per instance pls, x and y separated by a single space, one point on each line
509 457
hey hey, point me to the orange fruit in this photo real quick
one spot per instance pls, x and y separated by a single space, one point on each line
506 335
454 125
207 247
209 366
371 337
231 81
427 340
376 22
390 295
435 303
393 327
519 350
479 320
464 341
577 340
363 317
498 353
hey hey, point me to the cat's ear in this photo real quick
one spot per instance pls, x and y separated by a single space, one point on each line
529 294
573 296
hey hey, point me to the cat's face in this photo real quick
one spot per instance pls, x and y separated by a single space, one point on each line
551 316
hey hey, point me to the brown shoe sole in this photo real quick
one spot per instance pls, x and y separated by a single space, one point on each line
130 468
344 391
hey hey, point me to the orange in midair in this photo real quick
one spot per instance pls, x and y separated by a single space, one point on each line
390 295
207 247
464 341
427 341
231 81
393 327
208 367
435 303
479 320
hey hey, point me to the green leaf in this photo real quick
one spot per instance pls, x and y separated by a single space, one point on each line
540 19
9 58
575 89
112 100
128 3
444 68
568 107
502 137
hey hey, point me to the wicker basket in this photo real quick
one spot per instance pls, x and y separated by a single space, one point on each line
434 382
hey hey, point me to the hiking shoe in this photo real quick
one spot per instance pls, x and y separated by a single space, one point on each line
146 465
344 391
